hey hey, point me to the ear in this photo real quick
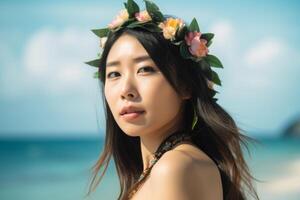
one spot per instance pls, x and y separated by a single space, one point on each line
186 95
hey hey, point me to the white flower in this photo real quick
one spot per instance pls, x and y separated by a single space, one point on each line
210 84
122 17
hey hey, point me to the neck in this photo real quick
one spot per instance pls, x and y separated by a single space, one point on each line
150 143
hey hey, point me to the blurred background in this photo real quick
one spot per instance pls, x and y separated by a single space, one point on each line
51 117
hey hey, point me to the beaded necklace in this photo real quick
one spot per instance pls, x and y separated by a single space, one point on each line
168 143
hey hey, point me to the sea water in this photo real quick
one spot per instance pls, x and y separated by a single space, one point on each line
60 169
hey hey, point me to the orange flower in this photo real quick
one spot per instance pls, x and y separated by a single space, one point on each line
170 26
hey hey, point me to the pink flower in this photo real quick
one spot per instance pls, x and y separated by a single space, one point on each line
197 46
143 16
190 36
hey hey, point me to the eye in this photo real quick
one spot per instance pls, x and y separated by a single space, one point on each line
146 69
112 74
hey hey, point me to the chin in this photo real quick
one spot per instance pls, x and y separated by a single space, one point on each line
132 134
132 131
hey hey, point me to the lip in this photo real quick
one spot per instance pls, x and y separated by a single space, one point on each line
129 113
130 109
132 116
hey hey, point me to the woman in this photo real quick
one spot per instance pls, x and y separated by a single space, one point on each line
168 136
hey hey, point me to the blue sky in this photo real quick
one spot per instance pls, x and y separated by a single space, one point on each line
46 90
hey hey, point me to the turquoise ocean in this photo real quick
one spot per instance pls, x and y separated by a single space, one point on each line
60 169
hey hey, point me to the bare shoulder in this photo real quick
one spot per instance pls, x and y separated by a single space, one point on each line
186 173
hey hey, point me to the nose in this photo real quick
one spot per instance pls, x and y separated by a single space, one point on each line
129 91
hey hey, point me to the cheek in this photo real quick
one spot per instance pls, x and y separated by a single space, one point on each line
110 97
161 101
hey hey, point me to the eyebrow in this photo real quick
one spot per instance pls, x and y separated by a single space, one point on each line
136 60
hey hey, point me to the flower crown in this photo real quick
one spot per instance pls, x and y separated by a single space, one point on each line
192 43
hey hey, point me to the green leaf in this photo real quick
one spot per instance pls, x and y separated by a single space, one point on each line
194 26
125 4
101 32
154 11
209 43
215 99
149 26
213 61
180 34
207 36
135 24
94 63
151 5
215 78
184 51
117 28
205 69
96 75
152 27
195 59
126 23
195 119
212 92
132 8
204 65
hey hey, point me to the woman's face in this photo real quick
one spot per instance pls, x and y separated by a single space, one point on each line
135 86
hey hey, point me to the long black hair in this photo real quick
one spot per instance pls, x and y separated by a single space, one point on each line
219 137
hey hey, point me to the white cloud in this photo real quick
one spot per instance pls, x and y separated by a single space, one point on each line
59 55
51 72
53 63
223 31
224 45
265 52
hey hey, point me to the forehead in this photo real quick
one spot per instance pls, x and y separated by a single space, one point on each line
125 47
